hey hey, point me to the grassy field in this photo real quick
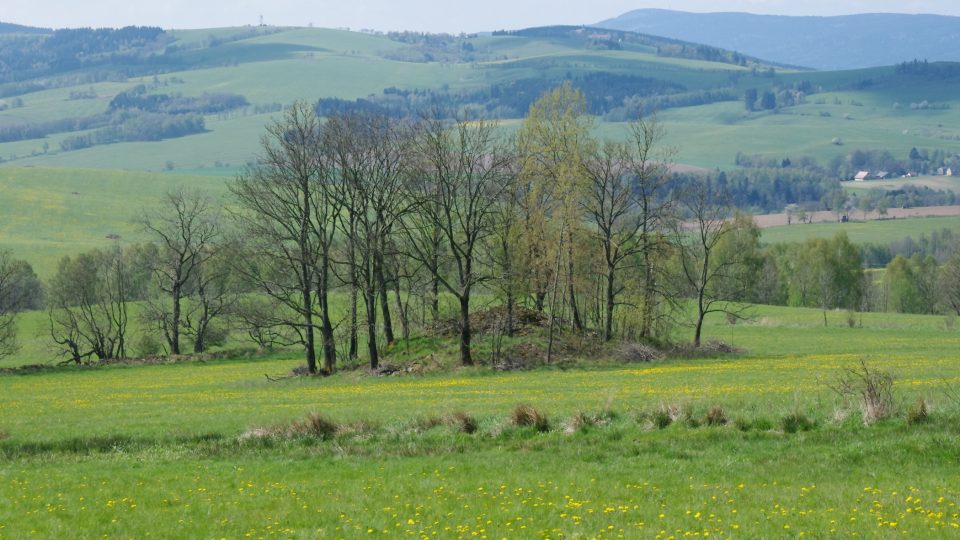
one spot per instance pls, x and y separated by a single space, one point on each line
46 213
879 232
137 451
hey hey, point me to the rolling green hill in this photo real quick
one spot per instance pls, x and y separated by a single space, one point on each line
271 67
699 90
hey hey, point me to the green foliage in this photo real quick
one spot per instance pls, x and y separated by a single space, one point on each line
911 284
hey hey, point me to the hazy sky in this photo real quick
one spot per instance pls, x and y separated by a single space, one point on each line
424 15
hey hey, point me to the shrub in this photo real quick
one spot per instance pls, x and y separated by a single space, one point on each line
918 414
795 421
526 416
873 388
716 416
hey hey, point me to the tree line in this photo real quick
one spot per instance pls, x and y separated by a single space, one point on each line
352 231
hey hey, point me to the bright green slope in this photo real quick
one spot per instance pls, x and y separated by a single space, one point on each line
46 213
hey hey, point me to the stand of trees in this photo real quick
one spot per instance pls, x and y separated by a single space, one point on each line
345 223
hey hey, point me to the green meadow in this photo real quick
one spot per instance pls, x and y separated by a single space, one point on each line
166 450
875 232
46 213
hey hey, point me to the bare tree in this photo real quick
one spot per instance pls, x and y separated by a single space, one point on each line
707 272
612 207
186 227
461 171
367 153
287 217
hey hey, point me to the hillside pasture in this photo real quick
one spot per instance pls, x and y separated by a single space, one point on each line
46 213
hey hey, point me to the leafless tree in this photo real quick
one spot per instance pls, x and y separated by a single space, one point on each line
186 227
367 153
287 217
461 170
706 272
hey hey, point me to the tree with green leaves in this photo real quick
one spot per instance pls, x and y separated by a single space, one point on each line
553 143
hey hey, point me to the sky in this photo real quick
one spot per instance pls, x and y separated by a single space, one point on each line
420 15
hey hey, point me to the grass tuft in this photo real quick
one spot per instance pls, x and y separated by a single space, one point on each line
919 413
528 416
796 421
716 416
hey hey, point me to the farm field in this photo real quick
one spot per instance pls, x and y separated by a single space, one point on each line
160 450
873 231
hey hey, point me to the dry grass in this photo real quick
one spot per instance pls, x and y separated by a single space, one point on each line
527 416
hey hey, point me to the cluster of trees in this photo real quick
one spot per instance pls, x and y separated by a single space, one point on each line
587 231
136 125
777 97
387 213
29 56
614 97
182 282
133 115
208 103
828 273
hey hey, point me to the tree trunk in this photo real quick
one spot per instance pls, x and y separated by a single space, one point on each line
608 318
370 299
384 298
353 318
174 334
465 357
401 311
698 330
575 311
309 345
326 326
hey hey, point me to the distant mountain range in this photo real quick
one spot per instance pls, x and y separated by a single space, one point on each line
843 42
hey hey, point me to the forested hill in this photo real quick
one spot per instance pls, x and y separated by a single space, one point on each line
843 42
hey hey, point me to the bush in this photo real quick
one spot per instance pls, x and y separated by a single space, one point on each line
918 414
148 345
527 416
796 421
873 388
